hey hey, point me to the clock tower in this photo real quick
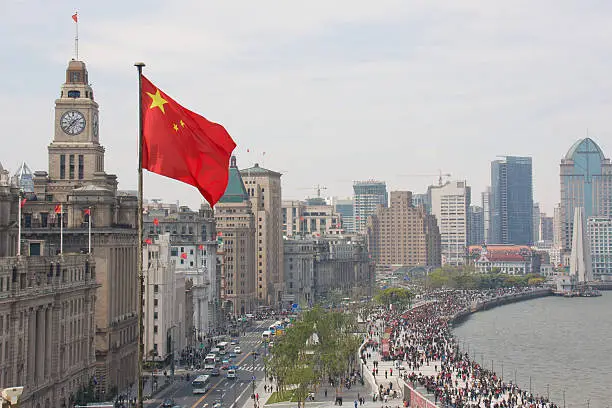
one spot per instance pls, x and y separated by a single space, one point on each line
75 153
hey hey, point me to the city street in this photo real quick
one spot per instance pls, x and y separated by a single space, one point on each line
223 389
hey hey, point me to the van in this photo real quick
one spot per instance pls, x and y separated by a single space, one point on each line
266 335
231 373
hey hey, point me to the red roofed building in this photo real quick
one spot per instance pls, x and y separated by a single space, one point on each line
509 259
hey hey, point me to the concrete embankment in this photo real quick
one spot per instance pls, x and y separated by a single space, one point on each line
461 316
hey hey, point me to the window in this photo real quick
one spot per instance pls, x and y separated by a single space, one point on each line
155 302
174 252
62 166
75 77
155 315
155 288
71 168
74 94
81 167
155 329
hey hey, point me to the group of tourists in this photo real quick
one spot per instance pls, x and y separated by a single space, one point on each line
421 337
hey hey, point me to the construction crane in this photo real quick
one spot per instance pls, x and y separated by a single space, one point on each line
439 175
318 188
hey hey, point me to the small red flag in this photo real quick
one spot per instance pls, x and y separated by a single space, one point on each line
148 241
201 246
184 255
87 211
182 145
23 201
58 208
75 17
155 221
220 233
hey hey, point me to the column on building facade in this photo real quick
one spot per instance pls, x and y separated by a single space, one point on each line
31 345
48 342
40 342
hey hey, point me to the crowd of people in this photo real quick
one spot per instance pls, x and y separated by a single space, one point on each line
422 337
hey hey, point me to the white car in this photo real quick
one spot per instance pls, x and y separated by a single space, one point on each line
237 350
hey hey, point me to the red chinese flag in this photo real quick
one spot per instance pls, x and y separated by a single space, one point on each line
75 17
201 246
148 241
23 201
58 208
87 211
155 221
182 145
184 255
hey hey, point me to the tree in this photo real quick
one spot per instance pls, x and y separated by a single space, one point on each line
398 297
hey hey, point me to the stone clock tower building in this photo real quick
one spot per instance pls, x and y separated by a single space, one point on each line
76 179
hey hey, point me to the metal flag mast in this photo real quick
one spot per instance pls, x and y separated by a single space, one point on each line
19 225
139 66
75 17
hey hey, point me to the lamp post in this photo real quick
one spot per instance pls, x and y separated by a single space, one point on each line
254 354
170 339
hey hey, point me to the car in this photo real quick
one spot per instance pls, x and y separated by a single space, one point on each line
231 354
215 372
233 342
225 364
237 350
231 373
217 404
168 403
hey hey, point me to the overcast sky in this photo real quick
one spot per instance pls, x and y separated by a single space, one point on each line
331 91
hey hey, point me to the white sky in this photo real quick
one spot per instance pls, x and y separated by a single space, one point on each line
332 91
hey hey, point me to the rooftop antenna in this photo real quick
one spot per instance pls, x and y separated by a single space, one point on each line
75 17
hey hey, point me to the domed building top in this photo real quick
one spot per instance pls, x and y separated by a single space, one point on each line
586 145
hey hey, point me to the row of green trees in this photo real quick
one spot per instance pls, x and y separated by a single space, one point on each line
467 278
321 345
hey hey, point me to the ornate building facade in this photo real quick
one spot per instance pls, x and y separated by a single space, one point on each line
75 185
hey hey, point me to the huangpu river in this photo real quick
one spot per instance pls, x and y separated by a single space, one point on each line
558 346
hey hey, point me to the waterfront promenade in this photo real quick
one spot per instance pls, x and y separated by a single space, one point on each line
419 346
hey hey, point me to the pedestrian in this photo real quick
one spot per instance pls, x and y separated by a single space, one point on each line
326 393
257 397
385 374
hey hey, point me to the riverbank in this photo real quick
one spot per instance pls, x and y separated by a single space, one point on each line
477 306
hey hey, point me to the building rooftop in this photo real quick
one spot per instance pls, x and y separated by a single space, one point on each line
586 145
235 191
256 170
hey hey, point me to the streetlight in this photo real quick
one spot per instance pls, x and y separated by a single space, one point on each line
548 392
563 398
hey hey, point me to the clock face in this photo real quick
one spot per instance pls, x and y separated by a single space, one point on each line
95 125
72 122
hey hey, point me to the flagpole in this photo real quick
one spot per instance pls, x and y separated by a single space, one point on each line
19 227
61 229
89 222
76 36
139 66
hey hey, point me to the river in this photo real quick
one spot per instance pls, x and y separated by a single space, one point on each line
555 343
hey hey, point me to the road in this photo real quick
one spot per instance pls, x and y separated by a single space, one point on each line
225 389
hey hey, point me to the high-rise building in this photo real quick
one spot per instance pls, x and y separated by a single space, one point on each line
586 181
75 182
475 225
402 235
264 189
600 237
367 196
24 178
345 208
511 201
43 297
486 214
449 204
193 251
546 228
557 227
536 216
236 226
422 199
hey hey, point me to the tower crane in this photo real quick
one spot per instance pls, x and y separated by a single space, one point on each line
439 175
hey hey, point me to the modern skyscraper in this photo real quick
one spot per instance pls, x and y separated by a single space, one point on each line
449 204
402 235
264 188
486 214
586 181
546 228
600 237
345 208
236 226
367 196
475 225
511 201
536 217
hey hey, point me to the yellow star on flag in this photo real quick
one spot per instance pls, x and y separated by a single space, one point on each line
182 123
157 101
175 127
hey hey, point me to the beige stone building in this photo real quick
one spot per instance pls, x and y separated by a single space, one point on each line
236 226
403 235
47 326
76 182
264 189
311 217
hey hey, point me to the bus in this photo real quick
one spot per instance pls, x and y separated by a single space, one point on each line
210 361
201 384
223 347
